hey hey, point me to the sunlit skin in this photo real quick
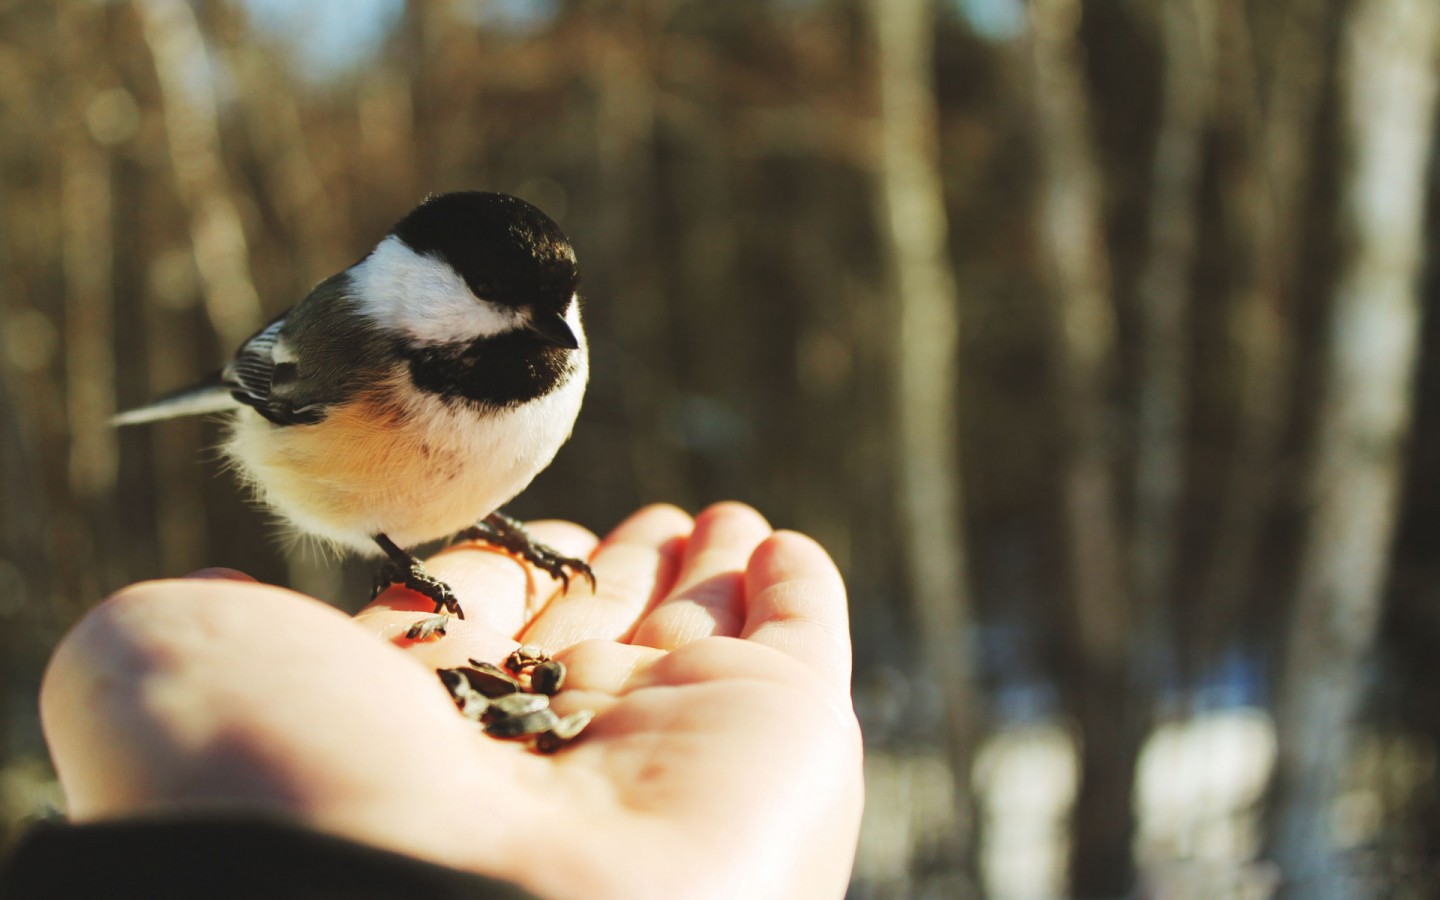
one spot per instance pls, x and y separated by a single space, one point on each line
725 760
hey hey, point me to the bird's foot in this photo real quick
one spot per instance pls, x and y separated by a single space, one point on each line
404 569
513 537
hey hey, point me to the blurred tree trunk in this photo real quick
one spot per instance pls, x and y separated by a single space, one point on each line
1165 291
87 258
619 68
1269 117
87 253
1389 75
316 234
926 366
192 127
1072 239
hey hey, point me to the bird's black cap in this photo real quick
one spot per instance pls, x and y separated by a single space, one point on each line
507 251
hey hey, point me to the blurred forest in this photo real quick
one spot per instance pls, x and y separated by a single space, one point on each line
1091 338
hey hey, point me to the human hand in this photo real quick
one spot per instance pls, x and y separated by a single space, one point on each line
724 760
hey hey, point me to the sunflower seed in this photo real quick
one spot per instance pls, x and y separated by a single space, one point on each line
489 679
454 681
548 677
517 705
535 722
564 731
427 628
523 657
472 703
474 706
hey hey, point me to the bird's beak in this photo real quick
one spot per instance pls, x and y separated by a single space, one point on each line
552 328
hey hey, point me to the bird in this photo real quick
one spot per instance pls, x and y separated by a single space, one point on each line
409 397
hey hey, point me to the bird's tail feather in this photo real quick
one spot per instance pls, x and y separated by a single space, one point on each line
192 401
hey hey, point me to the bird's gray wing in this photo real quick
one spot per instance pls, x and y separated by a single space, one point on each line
263 377
315 356
291 371
251 373
248 380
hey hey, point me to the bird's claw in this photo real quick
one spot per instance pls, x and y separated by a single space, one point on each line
415 577
512 536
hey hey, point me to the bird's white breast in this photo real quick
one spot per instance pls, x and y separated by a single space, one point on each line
403 462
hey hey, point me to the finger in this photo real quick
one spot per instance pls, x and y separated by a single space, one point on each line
634 566
219 573
214 692
795 603
497 591
460 641
604 667
708 598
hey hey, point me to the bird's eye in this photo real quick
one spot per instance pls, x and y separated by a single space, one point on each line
483 290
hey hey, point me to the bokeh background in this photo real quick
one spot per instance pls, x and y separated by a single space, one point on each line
1096 341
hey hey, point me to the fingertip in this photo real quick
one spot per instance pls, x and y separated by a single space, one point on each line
653 524
796 602
731 529
576 540
789 555
730 511
219 573
663 509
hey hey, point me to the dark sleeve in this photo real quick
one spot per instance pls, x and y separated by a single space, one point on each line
226 859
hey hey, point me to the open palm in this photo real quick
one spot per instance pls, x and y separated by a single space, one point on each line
724 760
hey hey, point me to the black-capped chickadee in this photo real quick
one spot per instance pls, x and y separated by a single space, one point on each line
410 396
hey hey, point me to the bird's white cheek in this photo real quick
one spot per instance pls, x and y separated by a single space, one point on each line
421 297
